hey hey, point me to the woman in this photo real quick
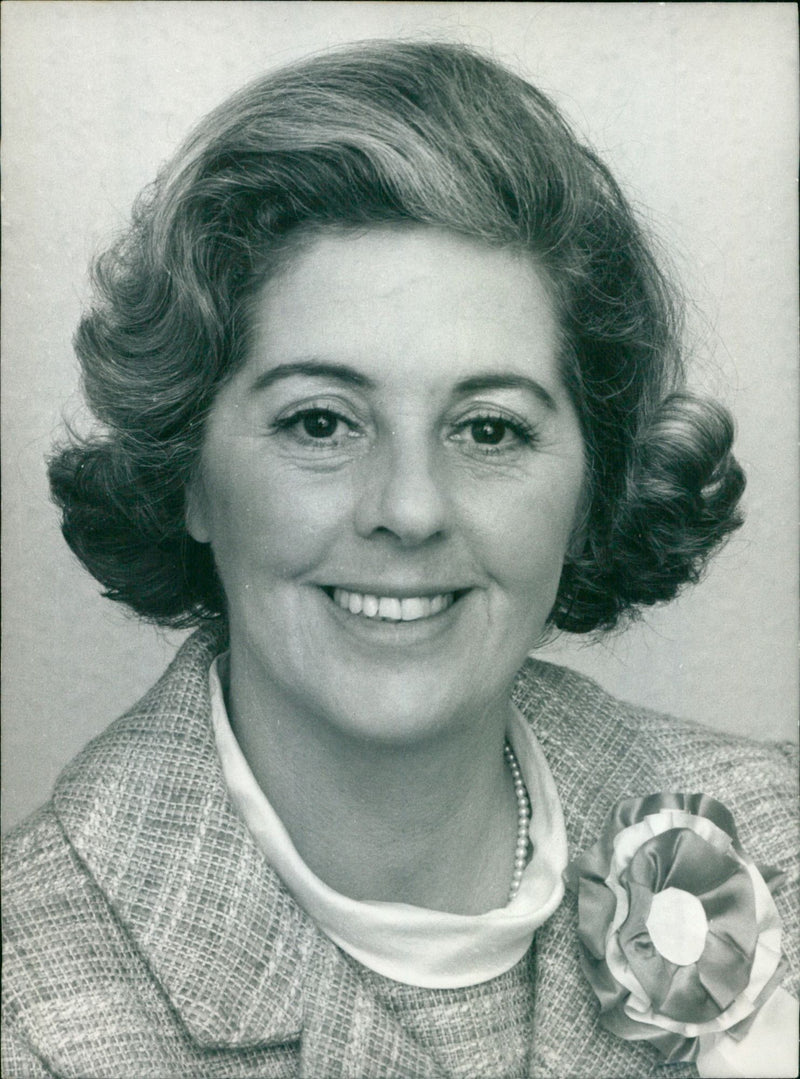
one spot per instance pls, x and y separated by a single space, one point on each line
390 386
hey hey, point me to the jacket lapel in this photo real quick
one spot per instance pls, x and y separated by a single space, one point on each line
348 1034
146 808
595 760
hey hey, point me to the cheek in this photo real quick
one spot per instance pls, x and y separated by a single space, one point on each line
270 520
524 535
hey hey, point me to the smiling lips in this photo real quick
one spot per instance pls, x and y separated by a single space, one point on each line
393 608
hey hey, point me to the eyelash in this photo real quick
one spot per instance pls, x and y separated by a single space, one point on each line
292 424
524 433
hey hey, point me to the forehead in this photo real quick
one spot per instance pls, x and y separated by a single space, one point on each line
400 297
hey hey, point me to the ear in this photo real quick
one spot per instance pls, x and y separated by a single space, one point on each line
196 511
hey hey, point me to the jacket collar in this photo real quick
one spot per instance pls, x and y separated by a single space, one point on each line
146 808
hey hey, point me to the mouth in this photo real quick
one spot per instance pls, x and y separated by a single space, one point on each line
393 608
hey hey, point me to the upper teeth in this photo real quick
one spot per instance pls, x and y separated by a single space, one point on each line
392 607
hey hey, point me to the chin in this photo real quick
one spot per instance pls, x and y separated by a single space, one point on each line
402 709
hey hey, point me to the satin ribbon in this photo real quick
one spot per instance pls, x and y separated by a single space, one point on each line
680 935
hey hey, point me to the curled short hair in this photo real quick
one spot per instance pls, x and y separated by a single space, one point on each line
425 133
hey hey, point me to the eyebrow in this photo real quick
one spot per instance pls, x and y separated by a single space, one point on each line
312 369
349 376
510 381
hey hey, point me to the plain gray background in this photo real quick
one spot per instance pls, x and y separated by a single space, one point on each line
693 105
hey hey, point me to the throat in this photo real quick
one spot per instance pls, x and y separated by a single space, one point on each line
461 856
433 823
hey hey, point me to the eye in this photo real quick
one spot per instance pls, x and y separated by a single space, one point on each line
488 432
488 435
319 423
318 427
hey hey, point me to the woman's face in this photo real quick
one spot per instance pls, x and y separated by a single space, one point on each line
390 481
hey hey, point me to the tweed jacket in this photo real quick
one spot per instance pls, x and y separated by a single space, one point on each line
146 936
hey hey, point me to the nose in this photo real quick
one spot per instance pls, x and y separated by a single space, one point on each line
403 495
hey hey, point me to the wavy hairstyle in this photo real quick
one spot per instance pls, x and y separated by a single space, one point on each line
425 133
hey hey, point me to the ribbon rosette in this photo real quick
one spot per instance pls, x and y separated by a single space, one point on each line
681 940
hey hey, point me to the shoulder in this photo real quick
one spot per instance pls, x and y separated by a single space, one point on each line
601 749
599 745
104 795
139 915
72 971
582 721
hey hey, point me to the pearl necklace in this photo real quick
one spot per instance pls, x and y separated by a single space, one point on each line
523 821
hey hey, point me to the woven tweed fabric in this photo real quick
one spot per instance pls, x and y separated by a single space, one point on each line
147 938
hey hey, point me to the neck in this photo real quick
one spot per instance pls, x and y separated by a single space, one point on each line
429 822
